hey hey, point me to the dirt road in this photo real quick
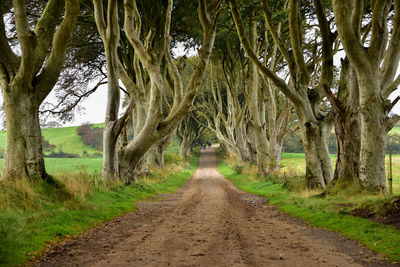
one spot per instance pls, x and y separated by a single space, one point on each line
209 222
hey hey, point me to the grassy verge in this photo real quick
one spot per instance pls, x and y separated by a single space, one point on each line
330 213
34 214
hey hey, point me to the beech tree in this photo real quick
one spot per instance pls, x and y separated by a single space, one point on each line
315 122
150 51
222 105
270 117
27 77
347 122
188 132
375 60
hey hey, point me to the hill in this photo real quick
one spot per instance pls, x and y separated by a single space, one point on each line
64 138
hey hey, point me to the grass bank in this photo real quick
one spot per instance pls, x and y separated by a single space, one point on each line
33 214
331 213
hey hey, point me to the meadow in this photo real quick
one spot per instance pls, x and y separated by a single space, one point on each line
64 138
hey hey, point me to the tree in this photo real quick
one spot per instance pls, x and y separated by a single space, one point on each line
223 107
27 79
375 59
109 31
150 53
347 122
315 122
189 131
270 116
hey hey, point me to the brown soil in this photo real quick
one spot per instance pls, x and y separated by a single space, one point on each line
209 222
391 216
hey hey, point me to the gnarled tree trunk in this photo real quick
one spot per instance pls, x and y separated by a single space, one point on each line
27 80
347 124
376 64
24 139
373 135
315 138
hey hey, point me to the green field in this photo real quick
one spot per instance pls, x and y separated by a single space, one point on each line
66 137
72 143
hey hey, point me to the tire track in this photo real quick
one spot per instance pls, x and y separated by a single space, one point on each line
209 222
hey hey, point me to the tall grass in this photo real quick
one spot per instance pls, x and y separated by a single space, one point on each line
34 213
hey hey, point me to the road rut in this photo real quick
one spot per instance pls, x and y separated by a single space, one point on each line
208 222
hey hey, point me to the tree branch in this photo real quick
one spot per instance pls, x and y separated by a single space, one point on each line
70 107
327 43
350 40
274 34
379 12
296 39
173 69
51 71
280 83
123 121
8 59
45 29
127 81
132 19
392 57
99 18
26 39
391 88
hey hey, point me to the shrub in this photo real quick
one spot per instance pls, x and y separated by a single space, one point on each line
47 146
91 136
62 154
2 152
238 168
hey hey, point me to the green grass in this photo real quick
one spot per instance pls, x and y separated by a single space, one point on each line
66 137
31 215
395 130
55 166
330 213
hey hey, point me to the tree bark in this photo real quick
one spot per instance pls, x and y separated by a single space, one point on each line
24 139
373 136
315 138
347 123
